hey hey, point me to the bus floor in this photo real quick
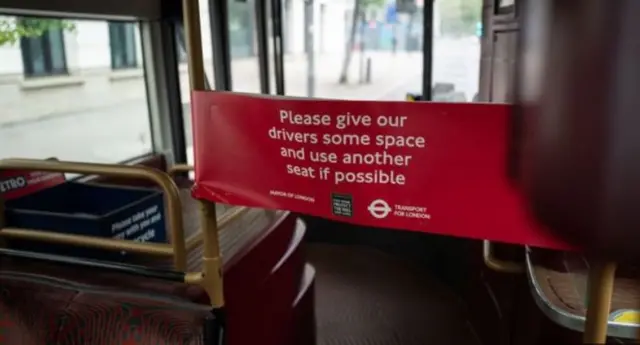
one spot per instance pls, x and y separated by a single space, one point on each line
367 297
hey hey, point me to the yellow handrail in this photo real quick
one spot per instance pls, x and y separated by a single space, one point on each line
159 249
211 278
227 217
179 168
496 264
599 294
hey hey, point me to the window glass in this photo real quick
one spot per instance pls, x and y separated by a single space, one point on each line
357 49
352 49
380 59
373 49
122 38
130 44
33 56
243 51
42 46
56 47
115 43
242 44
457 31
90 113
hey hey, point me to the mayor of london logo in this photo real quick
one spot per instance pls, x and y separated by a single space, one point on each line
379 209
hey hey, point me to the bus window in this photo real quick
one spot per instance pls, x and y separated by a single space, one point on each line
72 89
245 74
183 70
242 48
352 49
243 51
457 33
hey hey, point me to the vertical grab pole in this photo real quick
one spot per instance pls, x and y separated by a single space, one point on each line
214 328
600 290
214 324
194 44
427 50
310 43
278 47
263 44
219 20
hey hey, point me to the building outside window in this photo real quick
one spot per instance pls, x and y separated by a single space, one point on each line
78 115
122 39
43 55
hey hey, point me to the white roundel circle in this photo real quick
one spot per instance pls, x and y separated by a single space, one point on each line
379 209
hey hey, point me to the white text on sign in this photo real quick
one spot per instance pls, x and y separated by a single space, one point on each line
318 160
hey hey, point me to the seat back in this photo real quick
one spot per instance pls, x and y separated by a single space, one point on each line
42 310
30 313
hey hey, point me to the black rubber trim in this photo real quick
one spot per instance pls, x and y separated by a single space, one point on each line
82 262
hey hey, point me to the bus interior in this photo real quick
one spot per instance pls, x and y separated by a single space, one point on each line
289 279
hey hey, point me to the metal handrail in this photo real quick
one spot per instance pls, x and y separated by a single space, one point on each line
196 239
600 292
211 279
175 231
179 168
228 217
496 264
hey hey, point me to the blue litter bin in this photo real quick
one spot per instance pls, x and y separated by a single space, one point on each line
88 209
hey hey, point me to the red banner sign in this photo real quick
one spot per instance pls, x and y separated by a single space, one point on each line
15 184
429 167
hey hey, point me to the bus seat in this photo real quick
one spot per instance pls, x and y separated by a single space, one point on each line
251 245
558 282
38 310
29 312
254 226
97 318
262 255
304 307
274 321
113 314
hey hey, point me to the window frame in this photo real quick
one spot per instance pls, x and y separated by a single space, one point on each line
505 9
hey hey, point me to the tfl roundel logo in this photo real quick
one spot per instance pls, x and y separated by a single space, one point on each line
379 209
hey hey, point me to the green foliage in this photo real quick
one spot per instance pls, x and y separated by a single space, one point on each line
12 29
459 17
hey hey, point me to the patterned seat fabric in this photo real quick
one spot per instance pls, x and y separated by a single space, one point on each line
37 311
30 314
129 321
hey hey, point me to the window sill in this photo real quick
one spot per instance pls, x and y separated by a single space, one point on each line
126 74
42 83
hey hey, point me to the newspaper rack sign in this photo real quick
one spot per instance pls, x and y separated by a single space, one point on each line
428 167
15 184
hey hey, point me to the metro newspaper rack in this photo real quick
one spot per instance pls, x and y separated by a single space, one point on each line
91 210
210 279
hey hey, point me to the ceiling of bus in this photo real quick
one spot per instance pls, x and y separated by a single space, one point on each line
112 9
